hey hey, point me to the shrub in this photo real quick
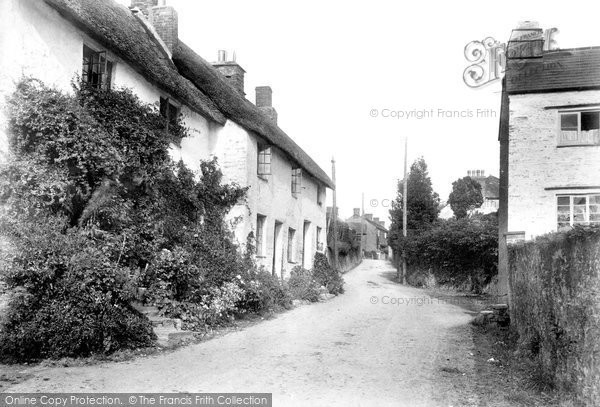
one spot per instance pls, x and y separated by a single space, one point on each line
263 292
94 205
326 276
302 285
459 252
72 300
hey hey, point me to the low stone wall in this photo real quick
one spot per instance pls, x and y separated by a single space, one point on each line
348 262
555 292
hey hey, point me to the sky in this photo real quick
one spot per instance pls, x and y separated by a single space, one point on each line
338 67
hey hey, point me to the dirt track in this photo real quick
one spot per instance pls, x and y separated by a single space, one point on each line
358 349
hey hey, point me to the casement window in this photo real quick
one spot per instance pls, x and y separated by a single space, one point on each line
320 195
296 180
291 240
97 69
319 242
577 210
579 128
169 112
264 160
260 235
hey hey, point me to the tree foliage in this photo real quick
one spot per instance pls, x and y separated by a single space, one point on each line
465 196
422 202
95 207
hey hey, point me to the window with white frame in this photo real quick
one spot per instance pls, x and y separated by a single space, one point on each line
296 180
580 128
577 210
264 160
319 242
260 235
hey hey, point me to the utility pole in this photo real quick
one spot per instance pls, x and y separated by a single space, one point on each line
404 207
362 228
334 216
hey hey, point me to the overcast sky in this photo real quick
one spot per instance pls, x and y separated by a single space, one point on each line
330 63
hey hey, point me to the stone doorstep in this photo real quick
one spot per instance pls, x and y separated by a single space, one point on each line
169 336
500 307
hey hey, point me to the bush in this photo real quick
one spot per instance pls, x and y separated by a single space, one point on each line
458 252
72 300
264 292
555 286
94 206
326 276
302 285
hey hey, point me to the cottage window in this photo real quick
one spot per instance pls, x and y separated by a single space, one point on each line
319 242
296 180
97 69
169 111
291 238
260 233
264 160
579 128
320 195
577 210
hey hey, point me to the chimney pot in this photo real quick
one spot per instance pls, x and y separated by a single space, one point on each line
144 5
222 55
233 72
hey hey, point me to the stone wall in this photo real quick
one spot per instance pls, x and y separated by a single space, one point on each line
536 163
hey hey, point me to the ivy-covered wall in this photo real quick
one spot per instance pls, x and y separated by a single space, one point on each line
555 285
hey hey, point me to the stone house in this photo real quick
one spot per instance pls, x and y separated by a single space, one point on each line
489 190
549 139
109 45
374 233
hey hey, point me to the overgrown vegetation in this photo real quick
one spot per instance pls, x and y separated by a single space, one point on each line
555 284
97 212
459 252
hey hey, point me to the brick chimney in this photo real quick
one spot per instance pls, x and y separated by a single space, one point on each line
382 223
368 216
264 101
165 21
231 70
376 220
526 41
356 212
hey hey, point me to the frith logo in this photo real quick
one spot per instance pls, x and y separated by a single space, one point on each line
488 57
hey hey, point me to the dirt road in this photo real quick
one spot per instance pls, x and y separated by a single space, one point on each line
378 344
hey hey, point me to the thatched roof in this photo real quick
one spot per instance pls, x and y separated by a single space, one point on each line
240 110
187 77
114 26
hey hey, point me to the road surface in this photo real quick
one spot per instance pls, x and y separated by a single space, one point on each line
378 344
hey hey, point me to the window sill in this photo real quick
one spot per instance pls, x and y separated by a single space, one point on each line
577 145
260 257
263 177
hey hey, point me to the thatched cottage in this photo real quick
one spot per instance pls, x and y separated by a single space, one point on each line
110 45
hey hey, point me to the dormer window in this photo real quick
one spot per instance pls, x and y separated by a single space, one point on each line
97 69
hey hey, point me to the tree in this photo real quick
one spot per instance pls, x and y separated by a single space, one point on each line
465 196
422 202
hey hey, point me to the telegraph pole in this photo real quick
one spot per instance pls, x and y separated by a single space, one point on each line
362 228
334 215
404 208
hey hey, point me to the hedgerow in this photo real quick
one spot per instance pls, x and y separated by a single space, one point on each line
457 252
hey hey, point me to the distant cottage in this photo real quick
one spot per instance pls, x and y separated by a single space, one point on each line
549 139
109 45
